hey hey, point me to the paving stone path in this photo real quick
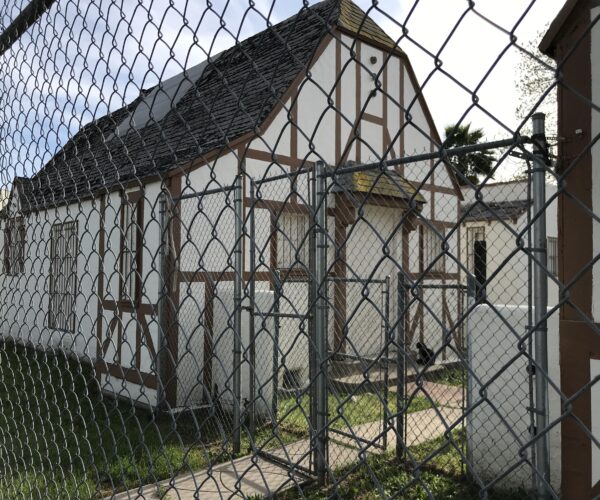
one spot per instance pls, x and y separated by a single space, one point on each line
255 476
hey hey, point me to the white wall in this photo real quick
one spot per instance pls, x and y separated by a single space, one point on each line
24 298
507 265
497 427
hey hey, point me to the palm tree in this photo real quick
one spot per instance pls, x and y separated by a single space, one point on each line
471 165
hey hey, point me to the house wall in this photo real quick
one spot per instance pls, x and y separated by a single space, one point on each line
595 123
123 339
128 335
507 265
383 132
498 426
574 44
595 359
24 298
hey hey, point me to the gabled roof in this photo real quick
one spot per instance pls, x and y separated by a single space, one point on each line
392 184
496 210
197 113
549 39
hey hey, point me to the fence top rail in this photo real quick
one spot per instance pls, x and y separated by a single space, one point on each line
444 286
441 153
368 281
205 192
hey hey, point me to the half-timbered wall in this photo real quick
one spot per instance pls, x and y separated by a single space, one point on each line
122 337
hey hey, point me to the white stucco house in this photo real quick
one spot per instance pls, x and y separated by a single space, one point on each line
82 237
500 221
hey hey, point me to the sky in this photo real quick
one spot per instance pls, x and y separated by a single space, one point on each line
86 57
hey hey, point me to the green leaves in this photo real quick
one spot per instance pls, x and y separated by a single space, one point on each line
471 167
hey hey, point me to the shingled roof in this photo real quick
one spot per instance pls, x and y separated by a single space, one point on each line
497 210
374 182
228 97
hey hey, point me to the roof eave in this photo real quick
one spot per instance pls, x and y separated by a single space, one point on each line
548 43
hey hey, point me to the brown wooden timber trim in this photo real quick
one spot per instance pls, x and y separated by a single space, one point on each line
358 85
290 161
433 275
379 200
385 136
439 224
209 309
294 124
421 267
373 43
432 196
578 344
129 374
218 276
402 152
339 286
435 188
276 207
172 331
377 120
575 204
128 307
245 138
387 141
293 88
100 289
428 117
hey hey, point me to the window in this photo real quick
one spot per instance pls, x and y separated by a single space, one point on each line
293 240
473 234
14 246
432 249
131 247
553 255
63 276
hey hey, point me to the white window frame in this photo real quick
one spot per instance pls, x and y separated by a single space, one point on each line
432 249
14 246
292 241
552 255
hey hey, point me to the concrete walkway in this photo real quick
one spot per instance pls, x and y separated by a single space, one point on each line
256 476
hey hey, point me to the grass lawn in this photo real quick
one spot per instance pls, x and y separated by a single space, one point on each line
455 376
345 411
59 438
441 475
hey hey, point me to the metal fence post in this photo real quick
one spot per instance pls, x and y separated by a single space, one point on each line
540 298
237 318
251 311
400 367
472 291
162 301
320 309
386 360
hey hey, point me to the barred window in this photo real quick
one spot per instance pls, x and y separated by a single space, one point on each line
14 246
553 255
293 240
131 246
63 276
432 249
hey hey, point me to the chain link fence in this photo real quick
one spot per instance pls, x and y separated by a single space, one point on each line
239 259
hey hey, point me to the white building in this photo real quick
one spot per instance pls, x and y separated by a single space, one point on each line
501 218
82 237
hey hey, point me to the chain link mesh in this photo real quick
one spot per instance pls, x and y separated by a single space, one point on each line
239 259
